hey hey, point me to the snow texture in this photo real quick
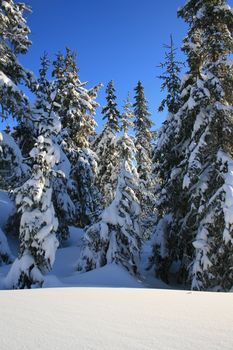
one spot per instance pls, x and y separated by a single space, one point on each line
113 319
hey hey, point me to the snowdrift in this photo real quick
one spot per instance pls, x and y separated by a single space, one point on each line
113 319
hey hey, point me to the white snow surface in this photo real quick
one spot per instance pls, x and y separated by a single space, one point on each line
108 309
113 319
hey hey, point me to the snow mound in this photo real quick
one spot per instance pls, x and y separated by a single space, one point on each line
107 276
113 319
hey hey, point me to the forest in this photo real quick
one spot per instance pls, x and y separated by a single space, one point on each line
128 186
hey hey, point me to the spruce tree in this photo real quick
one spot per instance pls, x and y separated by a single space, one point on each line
200 191
38 225
143 139
13 41
110 111
105 146
208 172
127 116
116 237
11 156
170 79
77 107
166 157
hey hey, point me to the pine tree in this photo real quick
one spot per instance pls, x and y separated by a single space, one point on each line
11 157
143 138
200 193
105 146
208 172
166 157
127 116
13 41
110 111
38 242
77 109
170 78
116 237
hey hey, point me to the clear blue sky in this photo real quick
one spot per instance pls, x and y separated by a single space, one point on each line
114 39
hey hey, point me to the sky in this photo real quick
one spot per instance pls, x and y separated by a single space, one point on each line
119 40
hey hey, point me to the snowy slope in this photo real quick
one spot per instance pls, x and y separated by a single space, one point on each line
114 319
64 272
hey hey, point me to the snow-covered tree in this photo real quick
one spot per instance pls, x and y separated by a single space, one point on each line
105 146
166 157
110 111
77 109
11 157
200 191
38 225
127 116
208 172
170 79
116 237
13 41
5 252
143 138
63 204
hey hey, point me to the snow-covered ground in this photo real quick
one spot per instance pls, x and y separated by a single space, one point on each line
114 319
107 308
64 273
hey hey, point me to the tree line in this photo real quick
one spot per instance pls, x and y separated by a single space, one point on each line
123 185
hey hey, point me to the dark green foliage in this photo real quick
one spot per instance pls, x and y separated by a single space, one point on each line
110 111
143 143
196 179
76 107
170 78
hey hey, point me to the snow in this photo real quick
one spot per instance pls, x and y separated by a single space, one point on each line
23 265
4 80
6 141
108 276
64 272
107 308
6 208
4 247
228 189
113 319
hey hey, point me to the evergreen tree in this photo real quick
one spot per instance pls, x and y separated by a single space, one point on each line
143 138
166 157
38 242
208 171
105 146
127 116
13 41
63 204
170 78
110 111
200 191
11 157
77 107
116 237
6 256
